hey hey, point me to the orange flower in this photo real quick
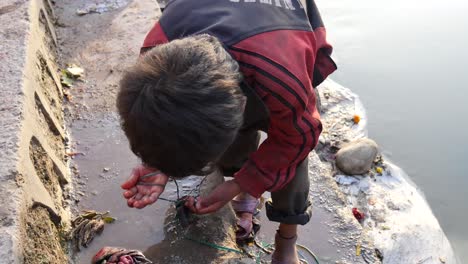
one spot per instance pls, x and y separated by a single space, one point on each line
356 119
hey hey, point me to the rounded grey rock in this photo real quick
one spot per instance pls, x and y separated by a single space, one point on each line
357 156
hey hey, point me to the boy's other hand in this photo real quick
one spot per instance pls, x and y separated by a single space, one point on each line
144 186
219 197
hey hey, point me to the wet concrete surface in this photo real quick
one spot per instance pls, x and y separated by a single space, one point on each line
105 146
315 236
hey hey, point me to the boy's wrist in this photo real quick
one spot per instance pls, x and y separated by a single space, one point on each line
237 186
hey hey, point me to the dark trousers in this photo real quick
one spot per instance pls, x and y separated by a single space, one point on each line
289 205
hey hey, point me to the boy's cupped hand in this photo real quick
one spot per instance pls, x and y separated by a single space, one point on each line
144 186
219 197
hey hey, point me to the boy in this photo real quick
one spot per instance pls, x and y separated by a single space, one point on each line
212 73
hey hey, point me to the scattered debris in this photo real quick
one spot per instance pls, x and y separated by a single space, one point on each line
379 170
379 254
119 255
356 119
346 180
358 214
104 6
424 260
65 79
358 249
73 154
67 95
70 74
75 71
86 226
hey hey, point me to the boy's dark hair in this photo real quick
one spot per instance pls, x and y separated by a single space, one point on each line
181 105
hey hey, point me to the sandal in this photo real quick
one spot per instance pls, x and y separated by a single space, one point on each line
246 229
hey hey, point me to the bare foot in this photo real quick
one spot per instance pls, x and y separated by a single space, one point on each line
285 250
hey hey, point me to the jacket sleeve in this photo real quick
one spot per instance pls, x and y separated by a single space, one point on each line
282 75
154 37
292 134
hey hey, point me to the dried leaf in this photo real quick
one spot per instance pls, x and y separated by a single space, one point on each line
72 154
75 71
65 79
108 219
358 250
87 225
67 95
90 215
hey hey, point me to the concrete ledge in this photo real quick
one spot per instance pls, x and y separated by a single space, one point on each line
33 171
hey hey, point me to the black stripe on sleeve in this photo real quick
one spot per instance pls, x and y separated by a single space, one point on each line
274 79
311 127
296 126
277 65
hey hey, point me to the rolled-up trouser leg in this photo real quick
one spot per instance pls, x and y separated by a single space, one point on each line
291 205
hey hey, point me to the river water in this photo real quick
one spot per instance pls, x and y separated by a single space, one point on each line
407 61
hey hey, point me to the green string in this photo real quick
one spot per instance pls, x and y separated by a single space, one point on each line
167 200
309 251
213 245
257 258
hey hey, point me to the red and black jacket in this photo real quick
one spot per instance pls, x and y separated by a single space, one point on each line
282 54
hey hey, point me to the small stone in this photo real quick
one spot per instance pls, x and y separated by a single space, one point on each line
106 169
357 157
371 201
378 214
392 206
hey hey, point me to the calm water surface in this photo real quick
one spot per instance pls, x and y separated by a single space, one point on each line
408 62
